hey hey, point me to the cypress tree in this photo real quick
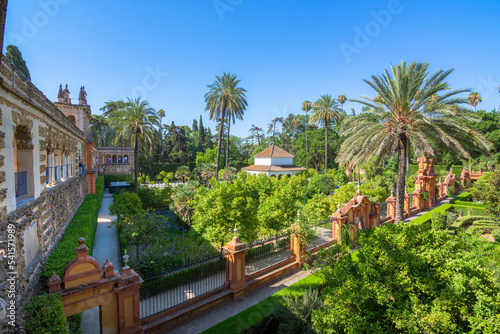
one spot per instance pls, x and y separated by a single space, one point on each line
14 55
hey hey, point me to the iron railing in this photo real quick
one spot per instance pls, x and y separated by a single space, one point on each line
21 183
55 173
324 234
265 253
177 285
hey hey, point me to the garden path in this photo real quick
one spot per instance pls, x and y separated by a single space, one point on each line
415 216
106 246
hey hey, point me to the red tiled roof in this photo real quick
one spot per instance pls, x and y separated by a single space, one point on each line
273 168
273 151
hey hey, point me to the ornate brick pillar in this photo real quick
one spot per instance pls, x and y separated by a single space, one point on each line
391 205
297 250
407 203
338 219
127 292
427 177
235 266
417 199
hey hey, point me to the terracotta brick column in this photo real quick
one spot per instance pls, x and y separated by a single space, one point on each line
391 205
417 199
407 204
338 219
235 266
127 292
297 250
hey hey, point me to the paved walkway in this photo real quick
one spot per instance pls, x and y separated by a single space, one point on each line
223 312
106 246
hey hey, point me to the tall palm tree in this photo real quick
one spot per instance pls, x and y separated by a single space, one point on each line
272 127
306 106
135 122
326 111
232 114
224 95
400 117
254 130
161 114
341 99
474 99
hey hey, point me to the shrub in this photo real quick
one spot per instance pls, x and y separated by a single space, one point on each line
439 220
155 198
465 196
45 314
83 224
496 234
126 204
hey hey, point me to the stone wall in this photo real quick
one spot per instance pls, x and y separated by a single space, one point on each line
51 214
106 167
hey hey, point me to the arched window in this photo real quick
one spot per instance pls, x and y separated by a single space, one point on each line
120 159
23 163
72 119
125 159
114 158
108 159
279 177
273 175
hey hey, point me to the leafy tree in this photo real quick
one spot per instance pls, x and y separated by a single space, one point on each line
224 96
410 279
183 200
322 184
99 126
399 118
325 110
127 204
306 107
228 174
134 122
209 157
488 190
177 144
343 195
316 209
255 133
14 55
377 189
316 148
218 210
140 229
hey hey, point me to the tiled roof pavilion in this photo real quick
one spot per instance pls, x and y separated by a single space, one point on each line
273 161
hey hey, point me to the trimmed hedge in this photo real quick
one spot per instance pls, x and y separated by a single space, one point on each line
467 220
115 178
465 196
468 204
83 224
45 314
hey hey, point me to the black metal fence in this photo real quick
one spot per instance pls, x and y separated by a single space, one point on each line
383 210
323 234
264 253
180 284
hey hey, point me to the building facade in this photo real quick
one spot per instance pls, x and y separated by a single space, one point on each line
115 160
46 170
274 162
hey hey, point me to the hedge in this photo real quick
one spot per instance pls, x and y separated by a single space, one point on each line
115 178
83 224
468 204
253 315
466 221
461 208
465 196
45 314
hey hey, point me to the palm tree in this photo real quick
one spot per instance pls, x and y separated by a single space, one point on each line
326 111
474 99
254 130
136 121
232 114
161 114
306 106
224 95
272 125
400 117
341 99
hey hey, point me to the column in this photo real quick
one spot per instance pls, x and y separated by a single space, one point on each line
235 266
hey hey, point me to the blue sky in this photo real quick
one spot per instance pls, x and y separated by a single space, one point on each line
283 52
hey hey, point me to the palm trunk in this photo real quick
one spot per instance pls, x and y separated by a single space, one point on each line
400 184
326 146
220 141
307 160
136 172
227 146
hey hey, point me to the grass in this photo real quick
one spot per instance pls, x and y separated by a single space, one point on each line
254 314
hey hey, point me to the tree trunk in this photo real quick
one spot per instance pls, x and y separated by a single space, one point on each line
227 146
136 172
222 119
307 160
326 146
400 184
